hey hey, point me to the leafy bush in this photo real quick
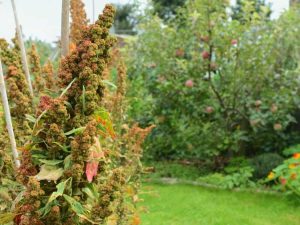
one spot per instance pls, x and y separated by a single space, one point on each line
216 86
264 163
174 170
235 164
216 179
287 175
241 178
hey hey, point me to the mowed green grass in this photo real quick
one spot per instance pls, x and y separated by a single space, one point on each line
192 205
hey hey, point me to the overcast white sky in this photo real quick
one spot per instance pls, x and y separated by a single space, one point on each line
41 18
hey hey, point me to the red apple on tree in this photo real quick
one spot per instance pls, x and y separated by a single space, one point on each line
274 108
258 103
234 41
209 110
205 39
189 83
205 55
277 127
179 53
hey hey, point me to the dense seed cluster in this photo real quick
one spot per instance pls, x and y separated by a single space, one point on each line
79 20
17 87
35 69
48 75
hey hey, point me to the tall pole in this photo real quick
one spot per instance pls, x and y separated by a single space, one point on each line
22 47
8 118
65 27
294 2
93 11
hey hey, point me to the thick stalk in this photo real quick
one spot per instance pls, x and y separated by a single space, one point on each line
65 27
22 47
8 118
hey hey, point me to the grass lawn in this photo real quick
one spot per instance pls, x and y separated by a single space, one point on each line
192 205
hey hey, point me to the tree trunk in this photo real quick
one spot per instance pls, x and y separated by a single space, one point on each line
22 47
65 27
8 118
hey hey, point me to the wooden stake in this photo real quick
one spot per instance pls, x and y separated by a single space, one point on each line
65 27
8 118
93 11
22 47
294 2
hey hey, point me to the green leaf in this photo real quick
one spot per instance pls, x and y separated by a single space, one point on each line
40 117
108 83
49 173
60 190
78 208
291 150
67 162
30 118
75 205
91 191
75 131
10 183
51 162
64 148
67 88
279 168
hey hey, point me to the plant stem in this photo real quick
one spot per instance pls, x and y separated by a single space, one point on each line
8 118
22 47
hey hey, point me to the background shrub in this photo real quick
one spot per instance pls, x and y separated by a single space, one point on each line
264 163
215 86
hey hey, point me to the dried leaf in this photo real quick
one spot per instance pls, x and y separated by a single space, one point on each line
49 173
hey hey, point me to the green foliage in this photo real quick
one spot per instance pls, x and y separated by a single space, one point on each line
174 170
264 163
215 86
9 190
124 19
216 179
287 175
166 9
241 179
235 164
259 6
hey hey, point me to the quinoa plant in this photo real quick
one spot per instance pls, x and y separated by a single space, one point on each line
48 75
72 170
20 103
79 20
129 146
18 91
35 69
